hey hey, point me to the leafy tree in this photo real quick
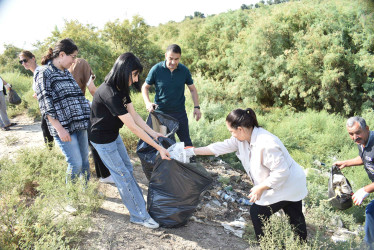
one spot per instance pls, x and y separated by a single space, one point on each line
198 14
132 36
9 60
91 46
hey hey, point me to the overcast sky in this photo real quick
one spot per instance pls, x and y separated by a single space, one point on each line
24 22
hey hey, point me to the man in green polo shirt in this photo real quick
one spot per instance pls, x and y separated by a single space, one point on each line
169 78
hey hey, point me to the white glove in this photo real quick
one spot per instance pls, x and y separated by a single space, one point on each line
359 196
189 151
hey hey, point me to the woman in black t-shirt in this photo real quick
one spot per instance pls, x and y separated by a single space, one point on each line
111 108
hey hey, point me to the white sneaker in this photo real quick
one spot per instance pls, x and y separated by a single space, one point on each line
150 223
108 179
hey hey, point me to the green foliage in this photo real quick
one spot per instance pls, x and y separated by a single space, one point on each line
124 36
33 195
9 60
22 85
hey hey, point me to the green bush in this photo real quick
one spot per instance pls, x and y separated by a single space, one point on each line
33 195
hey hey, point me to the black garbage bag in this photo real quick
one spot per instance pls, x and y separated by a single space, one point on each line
13 97
174 191
340 190
160 123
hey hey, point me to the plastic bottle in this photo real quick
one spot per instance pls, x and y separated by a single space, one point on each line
225 196
245 202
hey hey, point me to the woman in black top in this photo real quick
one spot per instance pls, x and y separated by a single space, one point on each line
111 108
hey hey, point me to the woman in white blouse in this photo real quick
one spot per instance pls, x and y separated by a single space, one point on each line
279 182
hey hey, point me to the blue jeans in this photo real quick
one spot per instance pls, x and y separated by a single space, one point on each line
183 130
369 225
115 157
76 154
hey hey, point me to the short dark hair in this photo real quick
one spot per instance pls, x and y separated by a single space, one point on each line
27 54
120 73
65 45
242 118
174 48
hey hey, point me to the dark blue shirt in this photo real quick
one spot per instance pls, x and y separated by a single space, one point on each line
169 86
367 156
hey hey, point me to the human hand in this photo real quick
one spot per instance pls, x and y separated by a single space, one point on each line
64 135
189 151
165 155
340 164
359 196
256 192
151 106
196 114
34 95
156 135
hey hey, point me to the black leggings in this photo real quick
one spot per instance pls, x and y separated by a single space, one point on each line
101 170
48 138
291 208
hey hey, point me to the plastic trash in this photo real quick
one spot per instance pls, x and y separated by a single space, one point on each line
340 190
245 202
175 190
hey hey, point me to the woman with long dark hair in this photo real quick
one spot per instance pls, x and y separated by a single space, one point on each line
67 111
278 181
111 109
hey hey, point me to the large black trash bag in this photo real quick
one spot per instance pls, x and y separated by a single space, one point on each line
147 153
13 97
174 191
340 190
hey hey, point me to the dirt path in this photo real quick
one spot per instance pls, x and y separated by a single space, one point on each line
111 226
27 133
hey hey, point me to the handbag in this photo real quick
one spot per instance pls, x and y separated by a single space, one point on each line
13 97
4 90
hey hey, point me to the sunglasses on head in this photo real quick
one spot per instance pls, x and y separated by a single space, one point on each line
23 61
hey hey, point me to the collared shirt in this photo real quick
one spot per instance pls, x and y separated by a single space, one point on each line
169 86
367 156
60 97
267 161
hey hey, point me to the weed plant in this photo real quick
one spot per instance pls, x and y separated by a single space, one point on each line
33 195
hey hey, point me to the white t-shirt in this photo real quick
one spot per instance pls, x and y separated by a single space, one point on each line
267 161
33 78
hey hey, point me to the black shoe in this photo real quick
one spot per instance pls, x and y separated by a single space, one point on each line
12 124
5 128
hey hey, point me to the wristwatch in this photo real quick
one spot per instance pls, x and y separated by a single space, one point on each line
197 107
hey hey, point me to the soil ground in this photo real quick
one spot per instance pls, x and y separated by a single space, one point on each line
209 227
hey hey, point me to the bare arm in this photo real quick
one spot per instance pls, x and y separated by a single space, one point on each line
61 131
128 120
348 163
369 188
195 99
91 87
140 122
150 106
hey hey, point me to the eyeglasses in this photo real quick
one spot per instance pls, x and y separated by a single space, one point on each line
23 61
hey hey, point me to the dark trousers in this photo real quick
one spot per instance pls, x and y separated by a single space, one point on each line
101 170
291 208
48 138
183 130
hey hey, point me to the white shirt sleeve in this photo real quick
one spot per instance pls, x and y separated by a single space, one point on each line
225 147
